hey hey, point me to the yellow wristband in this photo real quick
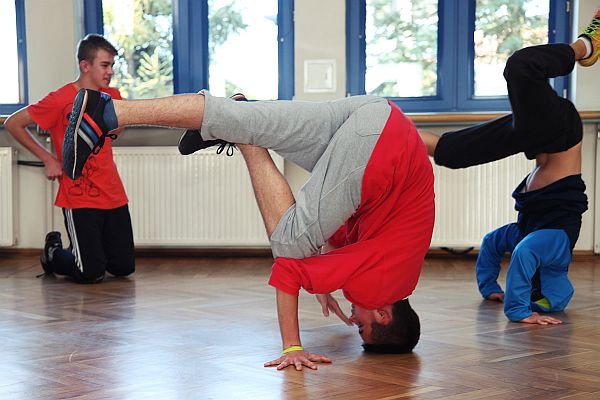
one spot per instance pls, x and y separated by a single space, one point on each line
293 348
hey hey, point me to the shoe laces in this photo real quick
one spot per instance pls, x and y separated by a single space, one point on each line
100 143
230 149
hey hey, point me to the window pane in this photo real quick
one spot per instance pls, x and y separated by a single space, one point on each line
501 28
142 32
401 49
243 48
9 67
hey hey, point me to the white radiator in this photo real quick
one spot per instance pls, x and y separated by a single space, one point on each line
200 200
7 192
206 200
473 201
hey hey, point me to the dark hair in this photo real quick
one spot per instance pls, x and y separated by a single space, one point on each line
400 335
89 46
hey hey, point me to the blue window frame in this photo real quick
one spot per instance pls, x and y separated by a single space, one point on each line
18 96
455 56
190 43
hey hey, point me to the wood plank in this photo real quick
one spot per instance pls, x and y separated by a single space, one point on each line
202 328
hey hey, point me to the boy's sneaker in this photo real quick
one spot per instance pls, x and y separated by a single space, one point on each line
52 243
592 33
191 141
91 119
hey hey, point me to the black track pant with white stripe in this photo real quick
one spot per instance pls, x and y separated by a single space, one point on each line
101 241
541 122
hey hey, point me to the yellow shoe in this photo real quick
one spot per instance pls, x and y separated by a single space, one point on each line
592 32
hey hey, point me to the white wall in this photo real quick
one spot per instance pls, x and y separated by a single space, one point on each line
327 42
51 40
53 28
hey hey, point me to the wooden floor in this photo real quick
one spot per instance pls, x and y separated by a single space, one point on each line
201 328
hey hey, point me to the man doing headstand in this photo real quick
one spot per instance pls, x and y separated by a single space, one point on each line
551 199
369 198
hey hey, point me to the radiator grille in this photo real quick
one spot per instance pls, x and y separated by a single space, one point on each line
7 191
473 201
206 200
200 200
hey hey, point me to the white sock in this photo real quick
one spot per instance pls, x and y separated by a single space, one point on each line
588 46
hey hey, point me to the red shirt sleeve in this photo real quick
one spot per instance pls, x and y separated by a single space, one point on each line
285 276
325 273
45 112
371 273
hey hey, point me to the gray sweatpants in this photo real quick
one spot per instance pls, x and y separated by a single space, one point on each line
332 140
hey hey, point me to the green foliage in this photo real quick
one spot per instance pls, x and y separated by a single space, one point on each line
410 37
154 77
143 67
405 31
507 25
223 22
414 34
144 64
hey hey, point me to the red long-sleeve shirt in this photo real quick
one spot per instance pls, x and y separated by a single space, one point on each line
382 246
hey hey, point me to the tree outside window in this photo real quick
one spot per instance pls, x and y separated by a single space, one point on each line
402 41
142 32
501 28
243 48
401 38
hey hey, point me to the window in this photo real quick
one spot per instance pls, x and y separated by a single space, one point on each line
142 32
13 66
445 55
395 50
497 36
235 64
181 46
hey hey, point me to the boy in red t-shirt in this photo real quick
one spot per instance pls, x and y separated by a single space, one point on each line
95 205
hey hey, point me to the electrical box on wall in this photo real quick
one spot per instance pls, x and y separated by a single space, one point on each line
319 76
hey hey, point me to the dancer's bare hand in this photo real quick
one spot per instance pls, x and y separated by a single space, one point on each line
539 319
328 303
298 359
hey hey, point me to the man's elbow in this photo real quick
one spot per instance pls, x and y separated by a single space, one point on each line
14 122
9 123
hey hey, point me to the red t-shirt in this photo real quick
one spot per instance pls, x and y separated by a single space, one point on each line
100 185
383 245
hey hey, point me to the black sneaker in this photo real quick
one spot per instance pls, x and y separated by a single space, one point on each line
52 242
191 141
91 119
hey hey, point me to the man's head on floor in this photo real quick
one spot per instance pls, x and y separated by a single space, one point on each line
394 328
